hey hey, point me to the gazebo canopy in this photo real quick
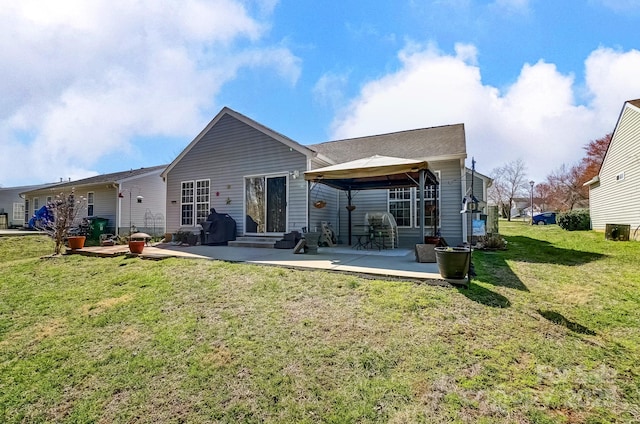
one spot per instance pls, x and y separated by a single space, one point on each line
375 172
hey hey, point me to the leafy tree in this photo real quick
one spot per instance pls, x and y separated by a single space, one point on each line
596 150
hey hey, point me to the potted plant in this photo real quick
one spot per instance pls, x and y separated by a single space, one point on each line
453 262
136 246
76 242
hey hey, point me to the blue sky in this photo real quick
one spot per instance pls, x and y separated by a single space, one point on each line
101 86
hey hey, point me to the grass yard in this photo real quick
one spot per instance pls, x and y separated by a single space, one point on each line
549 332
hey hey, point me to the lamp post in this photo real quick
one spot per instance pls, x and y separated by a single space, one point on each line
138 199
531 183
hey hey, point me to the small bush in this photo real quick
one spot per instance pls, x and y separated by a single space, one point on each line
491 242
575 220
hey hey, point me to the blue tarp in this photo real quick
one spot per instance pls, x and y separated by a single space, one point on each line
42 218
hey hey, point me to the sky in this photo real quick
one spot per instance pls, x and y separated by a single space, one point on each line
98 86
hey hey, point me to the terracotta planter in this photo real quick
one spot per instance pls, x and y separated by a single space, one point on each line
76 242
136 246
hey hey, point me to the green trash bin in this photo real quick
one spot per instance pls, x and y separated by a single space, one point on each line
98 226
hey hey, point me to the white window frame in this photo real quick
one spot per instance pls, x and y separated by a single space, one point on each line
202 199
414 199
91 198
393 199
187 197
620 177
18 211
36 204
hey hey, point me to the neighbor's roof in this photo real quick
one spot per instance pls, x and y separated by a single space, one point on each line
635 102
114 177
428 143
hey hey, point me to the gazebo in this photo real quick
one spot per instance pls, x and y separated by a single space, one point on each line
374 173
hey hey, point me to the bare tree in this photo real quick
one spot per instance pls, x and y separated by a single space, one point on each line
566 187
509 182
61 215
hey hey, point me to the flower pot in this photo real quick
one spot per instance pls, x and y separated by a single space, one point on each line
311 240
351 208
136 246
76 242
453 262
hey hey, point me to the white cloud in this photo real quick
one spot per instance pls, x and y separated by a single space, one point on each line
329 89
622 6
512 6
81 79
536 118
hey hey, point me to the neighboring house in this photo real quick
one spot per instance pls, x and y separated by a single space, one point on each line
12 204
614 194
244 169
134 198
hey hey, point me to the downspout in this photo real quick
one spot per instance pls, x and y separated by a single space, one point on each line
463 182
422 217
119 218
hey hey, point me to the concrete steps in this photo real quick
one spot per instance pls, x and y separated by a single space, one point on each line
266 242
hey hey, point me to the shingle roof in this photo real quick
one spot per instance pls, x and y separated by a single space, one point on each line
425 143
636 102
111 178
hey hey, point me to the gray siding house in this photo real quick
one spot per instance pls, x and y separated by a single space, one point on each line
614 194
134 198
12 204
242 168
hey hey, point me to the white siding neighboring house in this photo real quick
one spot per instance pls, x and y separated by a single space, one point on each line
255 175
12 204
115 197
614 194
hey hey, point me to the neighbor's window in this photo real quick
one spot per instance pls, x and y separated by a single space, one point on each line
18 211
620 176
400 206
186 201
202 200
36 204
90 199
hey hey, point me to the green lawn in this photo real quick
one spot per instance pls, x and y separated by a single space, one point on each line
548 332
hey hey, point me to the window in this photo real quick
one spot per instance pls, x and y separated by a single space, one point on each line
400 206
90 199
431 206
620 176
49 199
18 211
36 204
194 198
404 205
26 211
186 200
202 200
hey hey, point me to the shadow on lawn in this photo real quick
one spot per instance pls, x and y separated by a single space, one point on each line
486 297
559 319
492 266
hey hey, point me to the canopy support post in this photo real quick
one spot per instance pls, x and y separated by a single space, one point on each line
421 188
308 227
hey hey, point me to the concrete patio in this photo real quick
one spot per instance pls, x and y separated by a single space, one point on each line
390 263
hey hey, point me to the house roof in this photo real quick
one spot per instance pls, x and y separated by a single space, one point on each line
636 104
258 126
115 177
442 142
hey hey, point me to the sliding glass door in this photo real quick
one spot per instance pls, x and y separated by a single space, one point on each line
265 204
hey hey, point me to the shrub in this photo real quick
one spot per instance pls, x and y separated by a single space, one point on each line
575 220
491 242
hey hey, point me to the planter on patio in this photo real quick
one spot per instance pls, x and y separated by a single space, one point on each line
76 242
136 246
312 239
453 262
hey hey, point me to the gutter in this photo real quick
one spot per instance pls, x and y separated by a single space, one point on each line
593 180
